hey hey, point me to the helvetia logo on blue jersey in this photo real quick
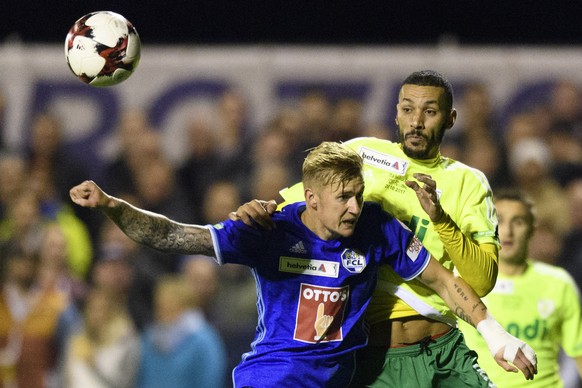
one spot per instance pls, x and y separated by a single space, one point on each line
313 267
353 261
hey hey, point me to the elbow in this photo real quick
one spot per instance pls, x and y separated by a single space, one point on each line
488 282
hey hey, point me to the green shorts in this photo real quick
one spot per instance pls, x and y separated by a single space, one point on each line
442 362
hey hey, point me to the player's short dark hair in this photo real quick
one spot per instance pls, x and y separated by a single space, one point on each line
432 78
514 194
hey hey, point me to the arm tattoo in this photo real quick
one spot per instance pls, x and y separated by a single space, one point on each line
159 232
460 311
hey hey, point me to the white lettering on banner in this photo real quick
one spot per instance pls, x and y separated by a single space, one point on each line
324 295
309 267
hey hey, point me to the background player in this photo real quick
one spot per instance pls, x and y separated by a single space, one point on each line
534 301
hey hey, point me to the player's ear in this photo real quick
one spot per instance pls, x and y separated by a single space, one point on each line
310 198
451 119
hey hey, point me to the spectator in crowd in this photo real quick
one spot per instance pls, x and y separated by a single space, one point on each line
22 224
523 125
534 301
346 121
12 177
565 109
180 349
530 163
217 199
565 135
35 322
54 266
475 138
134 142
571 253
47 154
268 179
201 166
79 242
234 135
201 272
104 352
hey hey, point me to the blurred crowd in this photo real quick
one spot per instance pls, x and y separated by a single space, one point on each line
82 305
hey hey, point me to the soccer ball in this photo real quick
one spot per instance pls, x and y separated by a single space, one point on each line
102 48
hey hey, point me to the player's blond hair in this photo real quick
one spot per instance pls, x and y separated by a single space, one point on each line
331 163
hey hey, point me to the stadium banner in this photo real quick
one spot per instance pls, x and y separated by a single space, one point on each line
173 84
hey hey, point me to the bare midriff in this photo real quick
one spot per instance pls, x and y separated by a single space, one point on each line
405 331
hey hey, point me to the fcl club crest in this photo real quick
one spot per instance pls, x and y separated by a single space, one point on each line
353 261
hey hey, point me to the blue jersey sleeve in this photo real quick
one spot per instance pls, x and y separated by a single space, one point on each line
403 251
236 243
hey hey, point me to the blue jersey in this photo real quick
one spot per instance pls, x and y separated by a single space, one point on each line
312 294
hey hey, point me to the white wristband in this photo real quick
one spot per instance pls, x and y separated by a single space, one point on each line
497 338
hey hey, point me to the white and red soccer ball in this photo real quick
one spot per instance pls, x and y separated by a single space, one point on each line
102 48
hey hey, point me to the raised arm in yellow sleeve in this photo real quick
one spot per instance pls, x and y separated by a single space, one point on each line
476 263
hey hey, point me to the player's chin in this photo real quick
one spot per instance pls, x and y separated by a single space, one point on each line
415 149
347 229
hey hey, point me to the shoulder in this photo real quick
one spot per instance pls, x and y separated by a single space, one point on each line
370 142
456 167
558 274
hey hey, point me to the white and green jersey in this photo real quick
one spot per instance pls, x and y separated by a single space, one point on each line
465 195
540 307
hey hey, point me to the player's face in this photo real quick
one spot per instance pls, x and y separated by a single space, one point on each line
514 231
422 117
338 209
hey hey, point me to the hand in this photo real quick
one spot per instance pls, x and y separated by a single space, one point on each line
506 348
524 359
322 323
88 194
256 212
427 195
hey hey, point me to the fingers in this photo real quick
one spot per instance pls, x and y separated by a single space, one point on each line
507 366
426 179
520 363
320 310
528 368
254 213
81 193
270 206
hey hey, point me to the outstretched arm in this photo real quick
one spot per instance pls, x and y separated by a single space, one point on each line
465 303
147 228
477 264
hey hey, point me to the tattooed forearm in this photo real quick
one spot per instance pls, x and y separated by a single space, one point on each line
460 291
459 312
468 305
159 232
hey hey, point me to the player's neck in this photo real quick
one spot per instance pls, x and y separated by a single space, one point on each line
512 268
